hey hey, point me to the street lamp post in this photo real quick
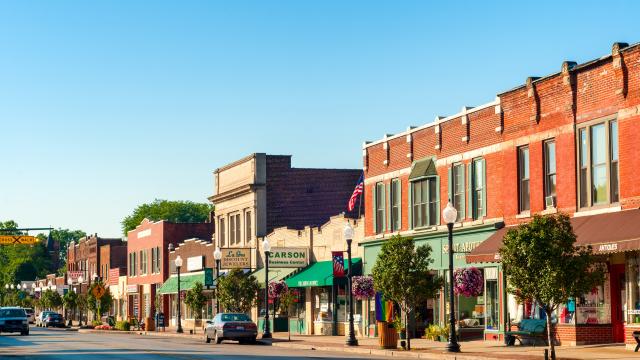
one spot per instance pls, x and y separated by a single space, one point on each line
450 214
217 255
97 301
348 236
178 263
266 247
80 280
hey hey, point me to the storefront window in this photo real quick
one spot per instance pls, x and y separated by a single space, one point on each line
594 307
632 303
323 306
492 307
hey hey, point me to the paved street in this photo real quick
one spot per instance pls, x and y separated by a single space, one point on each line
70 345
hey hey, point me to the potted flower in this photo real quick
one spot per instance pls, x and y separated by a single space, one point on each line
399 327
468 282
362 287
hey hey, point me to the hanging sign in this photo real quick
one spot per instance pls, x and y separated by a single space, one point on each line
338 263
235 258
17 239
282 257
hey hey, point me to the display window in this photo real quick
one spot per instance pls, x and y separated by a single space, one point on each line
593 307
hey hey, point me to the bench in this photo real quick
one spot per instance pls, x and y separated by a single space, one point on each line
528 329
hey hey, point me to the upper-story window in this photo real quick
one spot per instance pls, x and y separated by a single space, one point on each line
478 189
395 205
247 226
549 173
598 182
143 262
523 179
234 229
222 238
456 189
133 269
379 208
424 202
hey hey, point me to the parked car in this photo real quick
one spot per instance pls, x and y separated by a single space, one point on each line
231 326
41 316
31 315
14 319
53 319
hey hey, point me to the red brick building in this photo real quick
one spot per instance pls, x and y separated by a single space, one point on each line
86 256
564 142
147 260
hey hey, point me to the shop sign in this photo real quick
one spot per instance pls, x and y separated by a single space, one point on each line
235 258
608 247
307 283
132 288
74 275
194 263
282 257
464 247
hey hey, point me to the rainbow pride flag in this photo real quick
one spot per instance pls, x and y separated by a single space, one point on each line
384 308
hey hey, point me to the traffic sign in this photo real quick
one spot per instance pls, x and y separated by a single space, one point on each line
98 291
17 239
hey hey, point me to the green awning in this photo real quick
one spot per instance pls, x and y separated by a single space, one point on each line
423 167
187 281
276 274
319 274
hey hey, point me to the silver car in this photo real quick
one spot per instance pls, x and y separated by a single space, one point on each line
40 318
231 326
31 315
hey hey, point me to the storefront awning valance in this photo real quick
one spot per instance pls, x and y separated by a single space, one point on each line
606 233
320 274
187 281
423 167
276 274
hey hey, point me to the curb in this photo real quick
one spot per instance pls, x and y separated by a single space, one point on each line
388 353
142 333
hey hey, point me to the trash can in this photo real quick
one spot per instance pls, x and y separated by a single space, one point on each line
387 336
149 324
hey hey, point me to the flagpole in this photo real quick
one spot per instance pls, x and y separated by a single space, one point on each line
361 196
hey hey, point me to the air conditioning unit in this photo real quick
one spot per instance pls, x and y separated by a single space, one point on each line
550 201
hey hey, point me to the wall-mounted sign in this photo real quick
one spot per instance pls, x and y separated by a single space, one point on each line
282 257
608 247
464 247
235 258
144 233
132 288
74 275
195 263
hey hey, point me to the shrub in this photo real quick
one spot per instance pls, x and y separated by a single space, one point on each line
123 325
96 323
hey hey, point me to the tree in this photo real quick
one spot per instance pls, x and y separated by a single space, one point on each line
20 262
196 301
81 303
237 292
105 301
542 263
286 299
70 301
174 211
401 273
50 299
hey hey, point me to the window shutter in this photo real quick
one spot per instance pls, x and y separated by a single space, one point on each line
438 198
388 213
375 208
410 204
450 174
462 215
399 184
484 187
384 208
470 188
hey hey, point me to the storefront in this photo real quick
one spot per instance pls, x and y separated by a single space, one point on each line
187 282
610 312
325 310
478 317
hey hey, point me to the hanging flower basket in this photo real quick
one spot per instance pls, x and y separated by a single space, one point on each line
468 282
362 287
276 289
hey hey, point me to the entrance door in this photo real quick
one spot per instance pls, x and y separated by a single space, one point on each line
617 298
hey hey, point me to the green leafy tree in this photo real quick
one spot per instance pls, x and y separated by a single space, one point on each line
403 275
20 262
103 305
196 301
542 263
70 302
237 292
286 300
173 211
82 304
50 300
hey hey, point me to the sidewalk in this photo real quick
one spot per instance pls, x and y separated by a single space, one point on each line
471 350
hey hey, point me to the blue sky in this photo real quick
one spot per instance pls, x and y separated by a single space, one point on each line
107 105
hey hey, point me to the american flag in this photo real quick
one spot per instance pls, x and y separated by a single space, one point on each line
338 263
356 192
